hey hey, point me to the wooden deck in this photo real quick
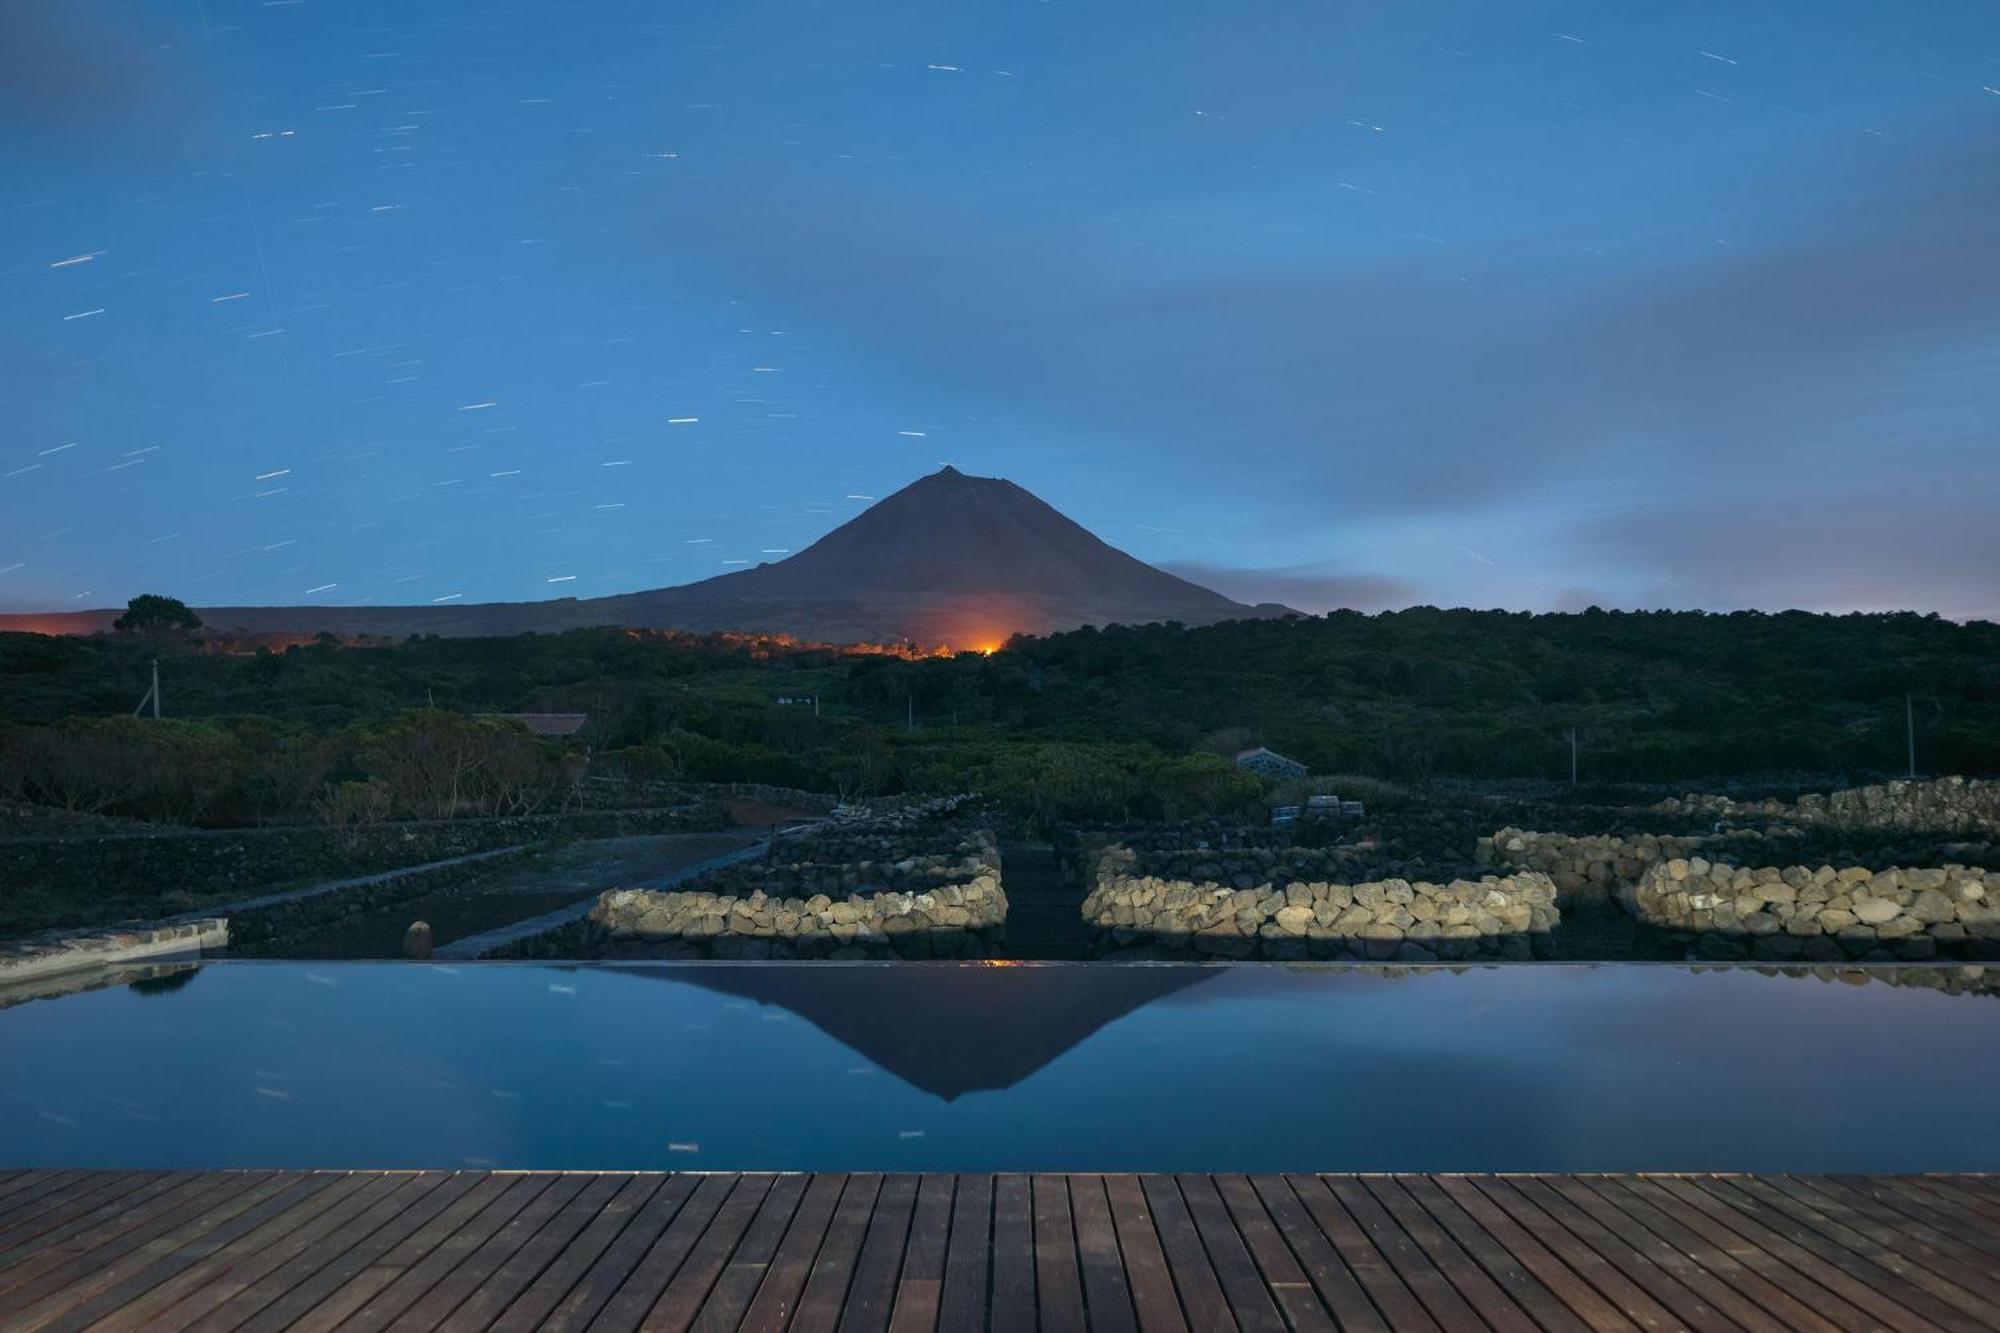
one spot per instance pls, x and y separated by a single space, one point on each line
256 1250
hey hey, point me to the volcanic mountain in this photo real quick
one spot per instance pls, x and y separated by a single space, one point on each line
949 559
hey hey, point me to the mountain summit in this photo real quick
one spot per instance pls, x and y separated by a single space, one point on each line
949 559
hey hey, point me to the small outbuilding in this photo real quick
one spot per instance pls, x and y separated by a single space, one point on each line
1268 763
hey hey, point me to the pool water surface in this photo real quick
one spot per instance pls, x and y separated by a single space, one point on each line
967 1067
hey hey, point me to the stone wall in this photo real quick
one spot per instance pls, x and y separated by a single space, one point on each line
1588 867
34 959
1946 805
1822 914
840 895
1601 867
1284 917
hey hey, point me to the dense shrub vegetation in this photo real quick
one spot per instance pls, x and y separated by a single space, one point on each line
1096 724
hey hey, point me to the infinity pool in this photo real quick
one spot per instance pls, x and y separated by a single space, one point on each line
1255 1067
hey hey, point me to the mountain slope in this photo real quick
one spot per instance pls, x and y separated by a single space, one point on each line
949 559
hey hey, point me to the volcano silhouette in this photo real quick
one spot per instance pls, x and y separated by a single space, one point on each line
949 559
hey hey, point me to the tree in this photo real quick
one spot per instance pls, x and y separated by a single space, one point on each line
150 613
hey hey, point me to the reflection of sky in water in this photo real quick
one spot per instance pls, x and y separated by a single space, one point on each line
943 1067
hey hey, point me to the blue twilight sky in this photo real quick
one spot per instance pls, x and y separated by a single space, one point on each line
1486 303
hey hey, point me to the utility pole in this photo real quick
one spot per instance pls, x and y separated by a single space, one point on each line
152 695
1572 756
910 707
1910 732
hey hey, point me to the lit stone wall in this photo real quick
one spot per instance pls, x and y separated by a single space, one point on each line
1495 916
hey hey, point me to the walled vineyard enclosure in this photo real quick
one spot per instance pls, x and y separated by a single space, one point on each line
845 892
1733 894
1295 902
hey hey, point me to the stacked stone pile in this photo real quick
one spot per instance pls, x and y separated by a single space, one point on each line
1598 867
1590 866
1941 804
853 895
1821 913
1282 914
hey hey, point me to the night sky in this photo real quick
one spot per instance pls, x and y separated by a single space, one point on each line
1481 303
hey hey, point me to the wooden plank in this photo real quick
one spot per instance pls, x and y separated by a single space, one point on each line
1338 1289
1980 1228
871 1294
112 1262
1776 1287
1633 1300
1013 1303
1154 1300
482 1306
1430 1286
149 1252
550 1284
416 1280
1977 1193
313 1215
968 1259
1970 1233
656 1271
777 1297
83 1304
1107 1299
1948 1256
1642 1250
25 1219
1058 1284
1249 1299
41 1188
249 1288
100 1191
677 1306
1664 1285
1810 1261
1923 1287
469 1277
426 1219
1516 1277
1371 1268
826 1286
1460 1269
1202 1298
105 1210
1571 1287
18 1179
744 1273
600 1282
380 1292
921 1285
1285 1280
104 1235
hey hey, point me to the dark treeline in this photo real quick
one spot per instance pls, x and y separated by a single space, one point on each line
1092 724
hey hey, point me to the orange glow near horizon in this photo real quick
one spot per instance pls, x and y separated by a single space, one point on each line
976 634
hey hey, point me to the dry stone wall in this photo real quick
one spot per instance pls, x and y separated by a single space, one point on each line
1495 916
1585 867
848 895
1823 914
1952 804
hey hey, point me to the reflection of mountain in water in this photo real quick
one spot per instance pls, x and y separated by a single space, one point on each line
947 1028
